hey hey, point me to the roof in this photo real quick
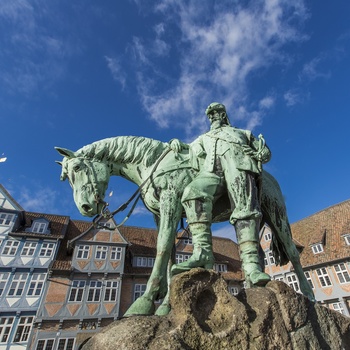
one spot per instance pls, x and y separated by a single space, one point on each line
63 259
327 227
57 224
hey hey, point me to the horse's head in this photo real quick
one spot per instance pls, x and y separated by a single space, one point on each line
88 179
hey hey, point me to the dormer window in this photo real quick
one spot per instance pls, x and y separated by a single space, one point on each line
39 226
317 248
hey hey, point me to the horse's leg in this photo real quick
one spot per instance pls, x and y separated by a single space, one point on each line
157 285
294 258
281 228
164 308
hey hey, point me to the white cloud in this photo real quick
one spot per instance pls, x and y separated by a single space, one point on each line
33 56
312 70
295 96
117 71
40 200
220 46
267 102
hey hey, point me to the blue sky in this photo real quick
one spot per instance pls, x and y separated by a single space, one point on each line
73 72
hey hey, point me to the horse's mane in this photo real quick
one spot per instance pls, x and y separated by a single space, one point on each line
124 149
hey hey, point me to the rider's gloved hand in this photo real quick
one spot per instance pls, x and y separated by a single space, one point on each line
177 146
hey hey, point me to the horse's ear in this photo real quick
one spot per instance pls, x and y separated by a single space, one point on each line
58 162
65 152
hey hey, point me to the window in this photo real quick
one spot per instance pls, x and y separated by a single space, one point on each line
269 258
116 253
66 344
233 290
220 267
347 239
142 261
111 291
23 329
36 284
279 278
46 250
293 281
317 248
77 291
323 277
3 280
188 240
11 247
181 258
139 290
83 252
150 262
45 344
29 248
309 279
338 307
6 219
101 252
5 328
18 284
39 227
267 236
95 289
342 273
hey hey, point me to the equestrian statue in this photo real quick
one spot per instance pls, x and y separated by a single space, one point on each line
216 178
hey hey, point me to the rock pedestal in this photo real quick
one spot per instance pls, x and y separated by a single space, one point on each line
205 316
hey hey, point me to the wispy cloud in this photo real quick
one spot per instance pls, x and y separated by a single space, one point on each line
32 57
295 96
220 46
117 72
313 69
40 200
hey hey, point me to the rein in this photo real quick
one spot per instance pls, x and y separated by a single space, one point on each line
106 214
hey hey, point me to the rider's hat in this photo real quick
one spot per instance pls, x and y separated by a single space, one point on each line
215 106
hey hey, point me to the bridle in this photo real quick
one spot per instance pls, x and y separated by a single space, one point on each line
105 214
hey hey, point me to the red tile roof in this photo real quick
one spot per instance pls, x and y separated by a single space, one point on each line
326 226
64 259
58 225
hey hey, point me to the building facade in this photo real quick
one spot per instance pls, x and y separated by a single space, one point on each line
324 242
28 245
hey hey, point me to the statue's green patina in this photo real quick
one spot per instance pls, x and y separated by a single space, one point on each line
228 160
134 158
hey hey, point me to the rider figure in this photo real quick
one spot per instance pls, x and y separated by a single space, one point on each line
228 160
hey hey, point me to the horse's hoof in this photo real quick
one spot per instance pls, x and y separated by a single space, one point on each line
163 310
141 307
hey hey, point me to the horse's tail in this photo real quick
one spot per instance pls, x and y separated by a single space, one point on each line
275 215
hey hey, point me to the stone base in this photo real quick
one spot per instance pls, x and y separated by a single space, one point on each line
205 316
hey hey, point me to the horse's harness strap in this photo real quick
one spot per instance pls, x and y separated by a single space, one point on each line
106 214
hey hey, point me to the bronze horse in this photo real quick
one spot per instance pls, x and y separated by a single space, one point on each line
140 159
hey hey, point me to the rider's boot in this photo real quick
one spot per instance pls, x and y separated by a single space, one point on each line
199 218
248 240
